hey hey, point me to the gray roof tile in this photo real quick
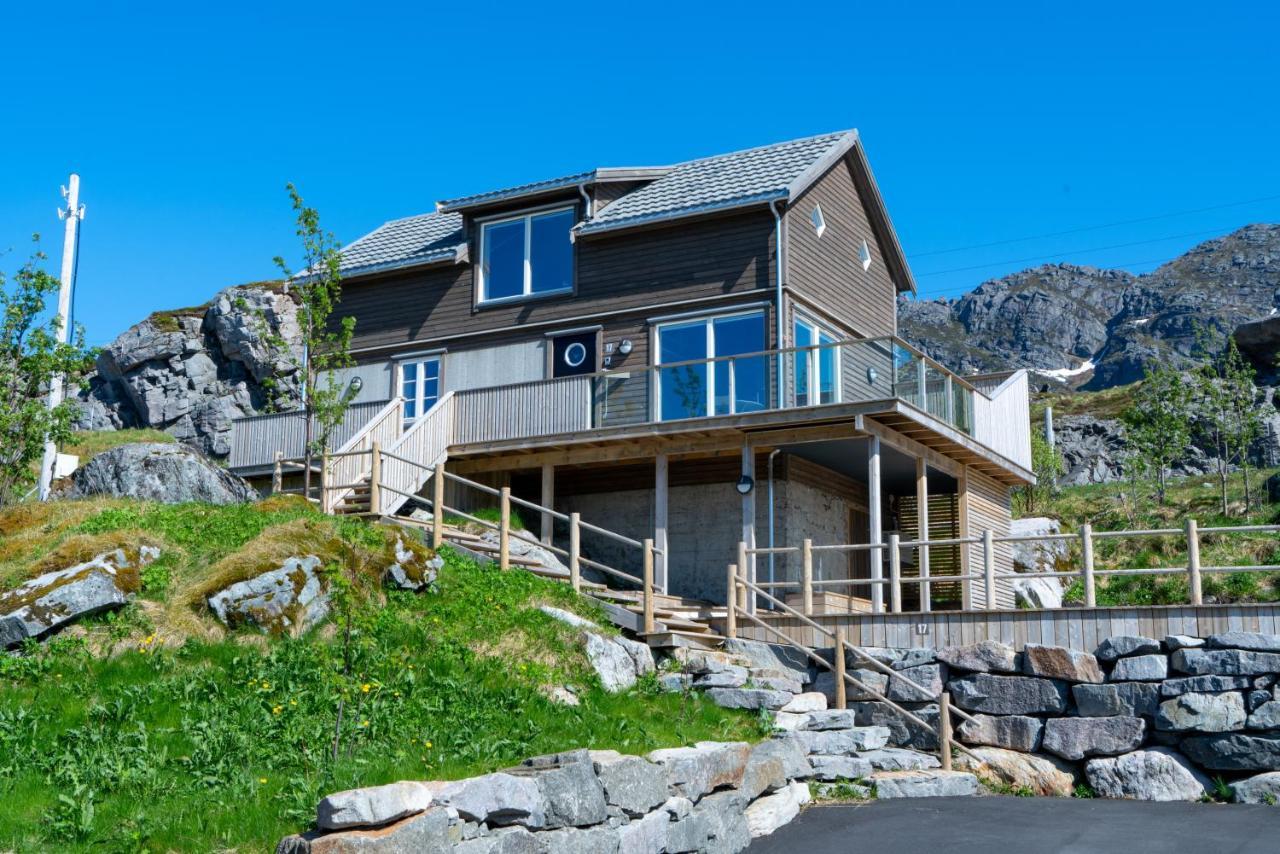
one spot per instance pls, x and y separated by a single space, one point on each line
698 186
418 239
714 183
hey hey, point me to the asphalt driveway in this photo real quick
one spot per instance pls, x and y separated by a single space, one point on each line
1006 825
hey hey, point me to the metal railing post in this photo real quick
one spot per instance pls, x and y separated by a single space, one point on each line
375 478
437 506
575 551
648 587
504 529
838 661
1193 562
277 474
989 566
944 730
895 574
806 579
1086 546
731 604
926 587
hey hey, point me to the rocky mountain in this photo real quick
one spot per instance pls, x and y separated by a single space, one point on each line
1093 328
190 372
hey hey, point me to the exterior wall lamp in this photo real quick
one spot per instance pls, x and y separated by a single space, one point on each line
625 347
744 484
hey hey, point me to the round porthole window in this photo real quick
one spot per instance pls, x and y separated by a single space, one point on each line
575 354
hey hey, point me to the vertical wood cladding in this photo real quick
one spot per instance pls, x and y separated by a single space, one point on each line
827 269
988 506
637 272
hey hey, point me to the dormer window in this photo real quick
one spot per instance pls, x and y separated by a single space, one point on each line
526 256
819 224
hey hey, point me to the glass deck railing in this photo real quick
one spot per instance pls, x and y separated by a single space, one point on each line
842 372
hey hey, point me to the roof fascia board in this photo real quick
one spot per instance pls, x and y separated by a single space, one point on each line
820 166
760 199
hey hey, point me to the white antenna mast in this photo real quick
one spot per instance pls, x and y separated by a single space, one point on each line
72 214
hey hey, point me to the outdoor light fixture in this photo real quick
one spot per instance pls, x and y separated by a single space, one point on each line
744 484
871 376
625 347
353 389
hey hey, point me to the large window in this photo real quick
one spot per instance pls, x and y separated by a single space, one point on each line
526 256
721 387
817 371
419 386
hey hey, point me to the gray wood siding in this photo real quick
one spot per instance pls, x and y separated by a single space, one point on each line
641 271
826 269
987 506
1076 628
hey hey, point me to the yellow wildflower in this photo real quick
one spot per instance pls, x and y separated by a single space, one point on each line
365 687
428 745
262 781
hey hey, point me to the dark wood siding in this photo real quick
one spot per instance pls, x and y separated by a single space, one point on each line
637 274
826 269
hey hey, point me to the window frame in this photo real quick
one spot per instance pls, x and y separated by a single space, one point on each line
708 322
526 217
813 359
419 361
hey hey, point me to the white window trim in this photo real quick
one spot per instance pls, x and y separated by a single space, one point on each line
708 322
818 329
419 383
818 220
527 291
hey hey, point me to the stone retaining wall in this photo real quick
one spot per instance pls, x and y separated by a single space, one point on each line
1136 718
711 797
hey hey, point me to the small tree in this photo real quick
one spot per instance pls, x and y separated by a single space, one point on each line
1226 398
30 357
326 345
1158 423
1046 462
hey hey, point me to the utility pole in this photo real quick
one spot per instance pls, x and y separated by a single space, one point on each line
1051 438
72 215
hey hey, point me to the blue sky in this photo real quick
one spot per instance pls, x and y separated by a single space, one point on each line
984 122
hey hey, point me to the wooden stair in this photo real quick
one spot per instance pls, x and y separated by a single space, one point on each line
678 621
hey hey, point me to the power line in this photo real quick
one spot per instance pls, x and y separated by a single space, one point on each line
1031 258
1094 227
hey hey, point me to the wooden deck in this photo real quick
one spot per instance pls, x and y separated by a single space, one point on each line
1077 628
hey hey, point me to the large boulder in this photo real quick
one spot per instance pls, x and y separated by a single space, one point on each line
1254 641
1059 662
288 600
1042 775
617 661
903 732
426 831
1141 668
986 656
573 794
924 784
1260 789
1009 695
1129 699
1203 685
495 799
696 771
154 471
192 372
53 600
411 566
1014 732
1154 774
1076 738
1124 645
1234 751
1035 557
767 814
1225 662
372 806
630 783
1202 713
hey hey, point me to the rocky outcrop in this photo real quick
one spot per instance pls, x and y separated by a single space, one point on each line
1022 771
617 661
191 372
153 471
54 600
288 600
1156 774
1101 328
1036 557
1259 342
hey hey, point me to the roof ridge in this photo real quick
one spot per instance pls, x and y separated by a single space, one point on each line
833 135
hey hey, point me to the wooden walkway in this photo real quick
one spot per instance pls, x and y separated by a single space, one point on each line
1077 628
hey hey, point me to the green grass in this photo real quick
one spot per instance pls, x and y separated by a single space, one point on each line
227 745
88 444
1119 506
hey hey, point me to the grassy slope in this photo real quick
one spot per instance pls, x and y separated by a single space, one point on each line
172 737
